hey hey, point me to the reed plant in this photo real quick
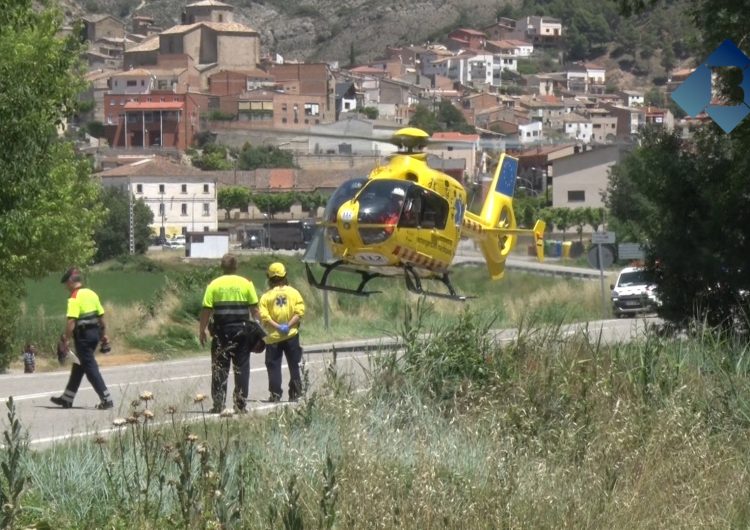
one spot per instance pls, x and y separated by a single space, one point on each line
454 430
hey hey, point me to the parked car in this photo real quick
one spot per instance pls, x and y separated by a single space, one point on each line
175 242
634 292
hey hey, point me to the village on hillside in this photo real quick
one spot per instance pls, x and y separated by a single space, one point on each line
156 94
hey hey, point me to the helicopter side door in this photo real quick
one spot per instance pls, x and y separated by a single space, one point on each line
432 220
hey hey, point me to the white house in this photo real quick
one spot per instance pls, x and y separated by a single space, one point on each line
182 198
134 81
632 98
578 127
530 133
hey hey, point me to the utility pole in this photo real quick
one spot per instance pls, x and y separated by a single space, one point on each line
131 218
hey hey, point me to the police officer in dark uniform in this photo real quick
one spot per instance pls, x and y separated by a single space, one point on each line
230 299
87 328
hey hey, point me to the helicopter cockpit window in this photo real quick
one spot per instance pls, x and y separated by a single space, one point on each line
380 204
342 194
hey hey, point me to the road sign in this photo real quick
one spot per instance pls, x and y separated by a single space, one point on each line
608 257
603 238
630 251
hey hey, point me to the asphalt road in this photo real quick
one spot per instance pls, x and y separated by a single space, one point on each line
177 382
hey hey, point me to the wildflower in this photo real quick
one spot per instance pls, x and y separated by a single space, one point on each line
131 419
100 440
199 398
192 438
146 396
202 448
171 409
119 422
227 413
135 403
148 414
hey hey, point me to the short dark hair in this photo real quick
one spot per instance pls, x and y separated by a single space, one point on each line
228 263
72 274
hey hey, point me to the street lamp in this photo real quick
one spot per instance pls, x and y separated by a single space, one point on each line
268 230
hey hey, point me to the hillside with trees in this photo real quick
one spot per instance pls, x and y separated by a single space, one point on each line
355 31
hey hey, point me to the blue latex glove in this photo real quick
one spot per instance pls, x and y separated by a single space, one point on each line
283 329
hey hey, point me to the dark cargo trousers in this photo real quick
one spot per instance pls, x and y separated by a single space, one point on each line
86 340
230 346
292 350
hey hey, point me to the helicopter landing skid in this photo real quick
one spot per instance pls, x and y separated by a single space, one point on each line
329 268
414 284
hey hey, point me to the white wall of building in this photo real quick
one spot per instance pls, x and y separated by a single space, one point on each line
207 245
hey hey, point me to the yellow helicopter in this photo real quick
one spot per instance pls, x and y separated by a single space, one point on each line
407 217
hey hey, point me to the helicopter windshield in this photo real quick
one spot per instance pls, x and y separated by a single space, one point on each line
381 201
342 194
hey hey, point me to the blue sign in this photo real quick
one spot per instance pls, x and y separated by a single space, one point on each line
459 216
694 94
506 182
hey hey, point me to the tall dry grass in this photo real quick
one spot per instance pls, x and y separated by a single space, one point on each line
550 431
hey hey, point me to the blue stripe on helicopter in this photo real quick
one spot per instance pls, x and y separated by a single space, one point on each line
506 183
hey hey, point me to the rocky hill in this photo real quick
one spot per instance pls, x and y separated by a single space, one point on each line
322 29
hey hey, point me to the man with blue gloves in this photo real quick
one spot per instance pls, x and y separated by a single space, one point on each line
281 309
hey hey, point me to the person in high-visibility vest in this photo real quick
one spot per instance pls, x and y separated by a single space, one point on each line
86 327
230 299
281 310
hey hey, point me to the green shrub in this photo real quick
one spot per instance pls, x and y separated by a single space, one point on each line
9 311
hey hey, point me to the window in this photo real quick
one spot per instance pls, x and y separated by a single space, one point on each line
434 211
205 188
206 209
205 229
576 196
183 209
131 82
139 188
311 109
184 188
196 238
161 188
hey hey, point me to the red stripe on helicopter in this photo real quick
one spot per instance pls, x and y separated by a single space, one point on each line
472 225
419 259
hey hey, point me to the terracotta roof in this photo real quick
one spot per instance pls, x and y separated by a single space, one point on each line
99 18
367 70
471 32
134 72
95 75
226 27
154 105
153 167
148 45
455 136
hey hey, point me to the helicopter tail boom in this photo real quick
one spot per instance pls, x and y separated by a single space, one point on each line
495 227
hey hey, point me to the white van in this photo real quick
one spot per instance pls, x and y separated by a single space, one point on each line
634 292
